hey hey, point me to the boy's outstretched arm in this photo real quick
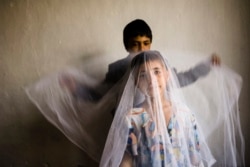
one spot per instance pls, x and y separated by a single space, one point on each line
202 69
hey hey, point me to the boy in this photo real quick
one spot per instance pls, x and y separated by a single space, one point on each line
137 37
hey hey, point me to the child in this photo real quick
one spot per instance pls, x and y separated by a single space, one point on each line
137 37
162 130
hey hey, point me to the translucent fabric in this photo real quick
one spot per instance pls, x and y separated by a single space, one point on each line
218 113
156 123
70 101
161 130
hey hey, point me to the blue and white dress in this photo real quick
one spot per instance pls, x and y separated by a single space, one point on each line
179 150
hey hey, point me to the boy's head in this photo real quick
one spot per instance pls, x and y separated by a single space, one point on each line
137 36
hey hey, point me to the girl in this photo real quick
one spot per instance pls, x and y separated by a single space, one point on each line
153 127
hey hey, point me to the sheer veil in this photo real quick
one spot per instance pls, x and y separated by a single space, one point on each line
69 101
218 113
204 130
194 126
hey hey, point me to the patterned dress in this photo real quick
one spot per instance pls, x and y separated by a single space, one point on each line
144 153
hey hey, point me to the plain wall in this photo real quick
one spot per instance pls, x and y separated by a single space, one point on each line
40 37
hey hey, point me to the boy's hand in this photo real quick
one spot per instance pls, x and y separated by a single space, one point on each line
215 59
69 82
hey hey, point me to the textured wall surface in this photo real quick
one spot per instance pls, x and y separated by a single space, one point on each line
43 36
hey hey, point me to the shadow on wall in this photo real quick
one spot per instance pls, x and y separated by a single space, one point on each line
39 144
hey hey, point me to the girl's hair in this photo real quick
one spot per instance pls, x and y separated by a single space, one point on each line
136 28
145 57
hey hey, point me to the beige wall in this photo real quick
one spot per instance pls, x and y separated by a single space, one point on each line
42 36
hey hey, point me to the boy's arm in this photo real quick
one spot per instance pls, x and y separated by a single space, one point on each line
117 70
193 74
200 70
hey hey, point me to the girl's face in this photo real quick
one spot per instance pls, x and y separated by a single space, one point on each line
152 76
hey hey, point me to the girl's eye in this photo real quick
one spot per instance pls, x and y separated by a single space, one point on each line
157 72
142 75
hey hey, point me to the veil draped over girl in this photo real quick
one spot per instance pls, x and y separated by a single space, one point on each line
156 123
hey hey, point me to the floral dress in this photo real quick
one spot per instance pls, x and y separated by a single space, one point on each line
143 152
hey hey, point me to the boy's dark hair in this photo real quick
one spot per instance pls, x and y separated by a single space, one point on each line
136 28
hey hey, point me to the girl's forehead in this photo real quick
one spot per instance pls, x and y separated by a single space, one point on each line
152 64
